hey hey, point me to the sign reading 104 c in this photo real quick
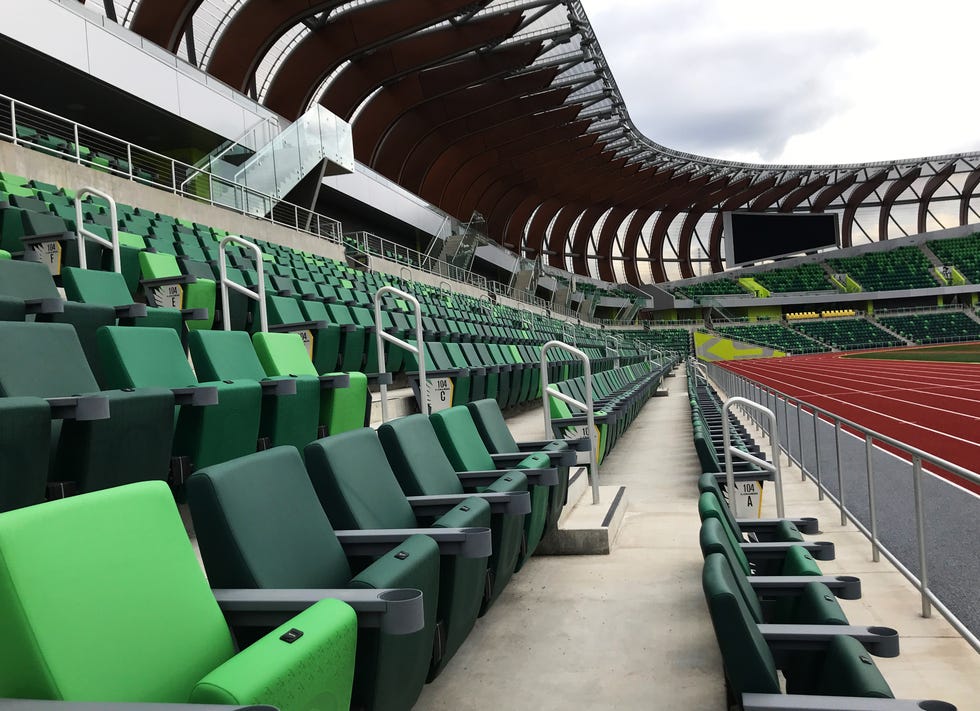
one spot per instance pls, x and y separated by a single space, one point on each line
439 393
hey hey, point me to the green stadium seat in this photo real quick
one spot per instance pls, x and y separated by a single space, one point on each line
842 666
89 286
423 469
142 624
290 405
342 408
138 357
46 361
259 525
23 469
166 286
358 490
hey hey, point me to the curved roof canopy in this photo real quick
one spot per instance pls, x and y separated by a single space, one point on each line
508 108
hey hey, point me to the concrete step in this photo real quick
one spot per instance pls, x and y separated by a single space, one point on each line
587 528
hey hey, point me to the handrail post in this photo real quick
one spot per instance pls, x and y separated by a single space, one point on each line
418 349
588 406
227 284
730 451
869 454
82 233
920 529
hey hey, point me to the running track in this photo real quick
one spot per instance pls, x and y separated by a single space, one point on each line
934 406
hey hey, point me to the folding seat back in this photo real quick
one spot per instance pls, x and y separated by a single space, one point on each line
714 539
196 294
135 357
47 361
259 525
141 624
229 355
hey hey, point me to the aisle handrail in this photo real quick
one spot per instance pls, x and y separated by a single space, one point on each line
226 283
419 349
83 233
731 451
588 406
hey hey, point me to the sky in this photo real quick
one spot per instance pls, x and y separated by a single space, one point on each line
797 82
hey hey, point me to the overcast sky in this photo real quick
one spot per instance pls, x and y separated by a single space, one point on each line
795 82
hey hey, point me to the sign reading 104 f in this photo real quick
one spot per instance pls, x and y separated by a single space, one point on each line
439 392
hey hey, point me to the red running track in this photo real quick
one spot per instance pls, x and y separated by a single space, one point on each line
934 406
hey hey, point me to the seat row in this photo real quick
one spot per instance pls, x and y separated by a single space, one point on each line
384 542
784 638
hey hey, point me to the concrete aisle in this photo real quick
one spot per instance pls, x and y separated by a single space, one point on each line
605 632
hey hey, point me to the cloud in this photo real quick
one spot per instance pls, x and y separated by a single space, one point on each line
773 81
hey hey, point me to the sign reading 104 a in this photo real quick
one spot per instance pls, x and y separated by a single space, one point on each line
439 393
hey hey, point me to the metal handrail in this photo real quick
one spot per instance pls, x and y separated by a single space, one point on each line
588 406
731 451
418 349
83 233
732 382
226 283
173 169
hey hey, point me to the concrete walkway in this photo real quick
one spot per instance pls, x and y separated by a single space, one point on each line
605 632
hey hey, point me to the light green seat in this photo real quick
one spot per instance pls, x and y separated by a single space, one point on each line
136 357
229 355
198 294
341 409
104 601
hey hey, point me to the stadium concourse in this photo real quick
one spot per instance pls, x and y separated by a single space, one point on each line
288 292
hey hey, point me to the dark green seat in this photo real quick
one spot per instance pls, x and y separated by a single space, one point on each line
843 667
794 559
497 438
138 357
89 286
322 338
259 525
423 469
341 409
31 283
229 355
358 490
46 360
142 624
710 506
465 449
23 469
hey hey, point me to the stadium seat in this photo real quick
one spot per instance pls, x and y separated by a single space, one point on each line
290 404
358 490
465 449
166 286
344 399
751 654
45 360
139 357
89 286
259 525
104 601
23 469
423 469
770 558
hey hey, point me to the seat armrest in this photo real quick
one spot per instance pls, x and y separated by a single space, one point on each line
563 458
454 373
31 240
470 542
44 306
846 587
82 408
879 641
316 297
504 502
380 378
198 314
334 381
806 525
535 477
199 395
167 281
806 702
820 550
130 311
298 326
393 610
278 387
47 705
